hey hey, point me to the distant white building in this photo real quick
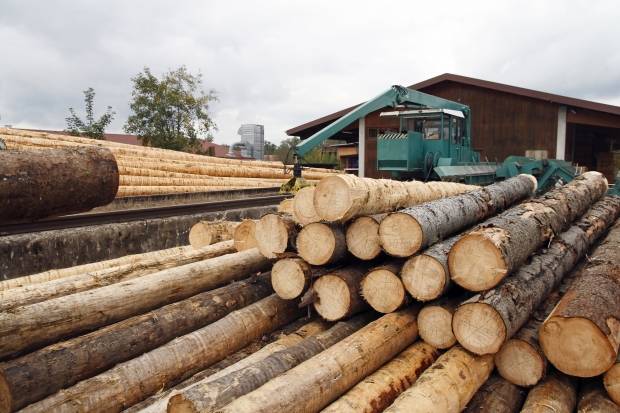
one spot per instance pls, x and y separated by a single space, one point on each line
253 138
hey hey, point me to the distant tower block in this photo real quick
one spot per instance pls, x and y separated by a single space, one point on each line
253 136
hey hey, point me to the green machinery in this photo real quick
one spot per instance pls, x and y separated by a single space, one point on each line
434 143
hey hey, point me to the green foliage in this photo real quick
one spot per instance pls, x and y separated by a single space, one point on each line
171 112
286 150
319 155
90 127
270 148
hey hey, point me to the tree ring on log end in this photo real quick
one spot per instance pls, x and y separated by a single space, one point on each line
383 290
479 328
333 298
520 363
303 206
200 235
332 198
435 325
424 277
363 238
271 235
288 279
476 263
316 243
401 235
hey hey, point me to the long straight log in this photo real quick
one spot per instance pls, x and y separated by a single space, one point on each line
611 380
484 322
303 207
337 292
127 383
377 391
36 375
244 235
48 321
42 183
382 288
35 293
362 237
127 191
588 316
322 244
130 180
317 382
211 395
483 257
557 393
206 233
275 234
447 386
497 396
592 398
406 232
435 321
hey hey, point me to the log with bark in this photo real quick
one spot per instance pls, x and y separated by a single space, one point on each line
557 393
406 232
611 380
128 191
344 197
362 237
447 386
206 233
337 293
35 293
426 275
497 396
582 334
275 234
244 235
303 206
483 257
292 277
42 183
213 394
484 322
593 399
322 244
377 391
382 288
435 321
127 383
36 375
320 380
48 321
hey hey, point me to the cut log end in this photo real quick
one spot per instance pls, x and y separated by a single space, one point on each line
333 297
289 279
383 290
320 244
435 325
363 238
272 235
332 199
520 363
303 206
244 235
479 328
401 235
179 404
199 235
476 263
424 277
611 380
576 346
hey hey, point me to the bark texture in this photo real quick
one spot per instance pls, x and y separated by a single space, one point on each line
322 244
275 234
317 382
303 207
500 245
362 237
484 322
48 321
592 398
377 391
588 316
36 375
382 288
497 396
447 386
557 393
41 183
337 294
206 233
406 232
245 235
127 383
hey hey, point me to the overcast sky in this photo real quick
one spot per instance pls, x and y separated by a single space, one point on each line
282 63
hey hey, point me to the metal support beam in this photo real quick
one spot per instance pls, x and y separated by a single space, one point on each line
560 142
361 147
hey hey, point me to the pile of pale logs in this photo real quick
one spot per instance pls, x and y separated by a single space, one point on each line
488 278
152 171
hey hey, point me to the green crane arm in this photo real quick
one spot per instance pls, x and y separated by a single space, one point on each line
396 95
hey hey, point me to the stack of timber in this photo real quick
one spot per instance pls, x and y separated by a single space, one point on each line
152 171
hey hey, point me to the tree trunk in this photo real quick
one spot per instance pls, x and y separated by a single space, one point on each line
382 288
557 393
292 277
206 233
484 322
611 380
244 235
426 276
447 386
484 256
497 396
317 382
344 197
159 402
127 383
48 321
127 191
406 232
275 234
377 391
36 375
41 183
322 244
337 293
435 321
211 395
34 293
588 316
196 180
362 237
303 207
592 398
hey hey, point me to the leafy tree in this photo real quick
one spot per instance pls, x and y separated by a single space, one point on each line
270 148
286 150
171 112
91 127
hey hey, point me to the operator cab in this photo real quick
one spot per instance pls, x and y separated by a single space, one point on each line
433 124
